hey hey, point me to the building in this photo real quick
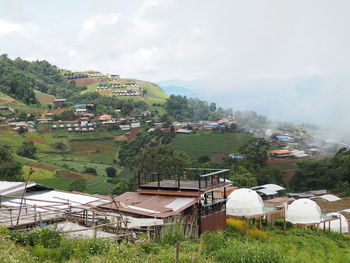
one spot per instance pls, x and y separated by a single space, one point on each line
59 103
189 199
280 154
104 118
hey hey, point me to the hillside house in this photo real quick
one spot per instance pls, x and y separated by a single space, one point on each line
59 103
187 197
280 154
104 118
183 131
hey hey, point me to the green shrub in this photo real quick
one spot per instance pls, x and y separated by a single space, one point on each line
172 234
247 252
45 237
211 242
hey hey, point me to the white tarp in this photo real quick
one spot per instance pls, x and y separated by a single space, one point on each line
330 198
81 231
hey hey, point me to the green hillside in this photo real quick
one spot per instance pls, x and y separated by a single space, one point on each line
58 168
241 243
20 78
206 143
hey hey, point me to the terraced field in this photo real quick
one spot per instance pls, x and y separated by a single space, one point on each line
206 143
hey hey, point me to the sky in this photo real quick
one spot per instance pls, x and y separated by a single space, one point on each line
229 43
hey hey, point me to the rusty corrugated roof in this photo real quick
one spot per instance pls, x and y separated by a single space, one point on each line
160 206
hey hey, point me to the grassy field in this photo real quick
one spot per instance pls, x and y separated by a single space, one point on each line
205 143
240 243
12 102
153 90
97 150
44 98
287 165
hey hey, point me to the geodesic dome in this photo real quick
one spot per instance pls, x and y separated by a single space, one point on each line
303 211
335 224
244 202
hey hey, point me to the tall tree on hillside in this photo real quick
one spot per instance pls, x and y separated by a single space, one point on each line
163 159
10 170
27 149
256 151
177 107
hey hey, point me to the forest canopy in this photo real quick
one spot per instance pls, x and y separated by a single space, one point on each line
19 78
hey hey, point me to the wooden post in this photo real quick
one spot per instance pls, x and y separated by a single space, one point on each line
260 223
177 252
329 225
148 235
284 224
34 213
95 231
11 216
340 230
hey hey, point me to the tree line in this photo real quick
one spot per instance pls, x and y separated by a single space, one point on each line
19 78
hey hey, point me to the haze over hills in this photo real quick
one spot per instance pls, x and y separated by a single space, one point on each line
307 99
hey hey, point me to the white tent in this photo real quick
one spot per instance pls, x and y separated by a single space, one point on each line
335 224
244 202
303 211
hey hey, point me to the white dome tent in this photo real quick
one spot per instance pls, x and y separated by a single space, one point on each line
303 211
341 225
244 202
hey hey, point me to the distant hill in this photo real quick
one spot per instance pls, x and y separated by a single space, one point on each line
177 90
19 78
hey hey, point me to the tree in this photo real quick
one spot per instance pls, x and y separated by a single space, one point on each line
111 172
163 159
90 170
78 185
204 159
10 170
144 92
119 188
212 106
21 130
241 177
59 145
256 151
27 149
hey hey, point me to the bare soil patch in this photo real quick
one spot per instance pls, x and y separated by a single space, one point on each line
133 134
70 175
86 81
36 140
217 156
328 207
120 138
41 166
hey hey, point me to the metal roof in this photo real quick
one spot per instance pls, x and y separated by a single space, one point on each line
330 198
159 206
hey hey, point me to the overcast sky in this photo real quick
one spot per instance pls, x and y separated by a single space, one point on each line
285 58
175 39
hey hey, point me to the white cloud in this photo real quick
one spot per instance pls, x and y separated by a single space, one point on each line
8 27
187 39
99 20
